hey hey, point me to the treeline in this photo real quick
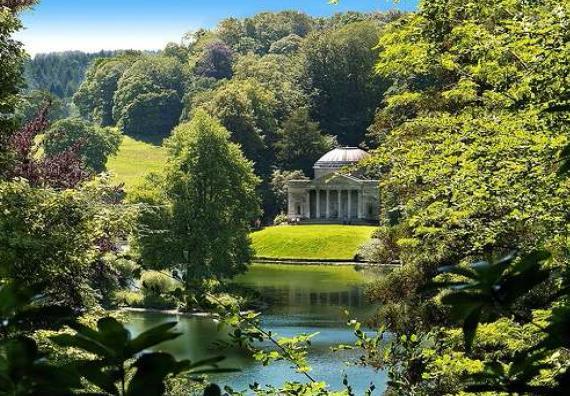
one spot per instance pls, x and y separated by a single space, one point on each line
60 73
287 86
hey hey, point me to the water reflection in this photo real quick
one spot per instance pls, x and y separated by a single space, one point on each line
300 300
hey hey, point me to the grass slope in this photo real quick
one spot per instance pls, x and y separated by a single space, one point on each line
135 159
325 242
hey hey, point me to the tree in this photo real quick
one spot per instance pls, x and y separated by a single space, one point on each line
148 100
94 98
339 68
60 73
33 100
60 171
279 181
280 74
208 202
468 142
246 109
301 142
11 80
215 61
97 144
48 236
287 45
467 158
178 51
259 32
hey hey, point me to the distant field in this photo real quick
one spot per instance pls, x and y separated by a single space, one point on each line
135 159
330 241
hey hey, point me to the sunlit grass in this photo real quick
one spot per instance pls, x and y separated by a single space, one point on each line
330 241
134 160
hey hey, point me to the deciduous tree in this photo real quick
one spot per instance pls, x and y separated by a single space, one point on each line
205 204
96 144
301 142
339 70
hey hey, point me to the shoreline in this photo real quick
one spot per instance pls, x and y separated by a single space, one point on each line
175 312
339 262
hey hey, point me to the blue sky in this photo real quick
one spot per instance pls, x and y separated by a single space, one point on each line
92 25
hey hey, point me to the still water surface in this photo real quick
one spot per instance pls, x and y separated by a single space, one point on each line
301 299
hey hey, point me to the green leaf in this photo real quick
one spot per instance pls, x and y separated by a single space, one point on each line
212 390
458 270
151 370
152 337
470 327
207 362
93 372
81 342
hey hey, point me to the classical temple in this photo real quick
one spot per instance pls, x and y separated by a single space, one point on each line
332 196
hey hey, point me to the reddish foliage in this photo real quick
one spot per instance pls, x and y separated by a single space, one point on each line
63 170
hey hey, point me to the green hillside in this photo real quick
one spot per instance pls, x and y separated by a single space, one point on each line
135 159
325 242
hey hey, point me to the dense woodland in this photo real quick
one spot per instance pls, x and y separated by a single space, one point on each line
59 73
273 80
465 106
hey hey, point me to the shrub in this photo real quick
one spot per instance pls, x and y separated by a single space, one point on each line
383 247
128 298
127 271
281 219
155 301
157 283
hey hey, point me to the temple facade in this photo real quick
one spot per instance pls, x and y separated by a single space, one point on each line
332 196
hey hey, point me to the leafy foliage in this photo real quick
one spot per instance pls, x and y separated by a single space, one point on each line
345 93
215 61
119 365
246 109
198 218
148 99
94 98
23 368
489 291
96 144
119 357
33 100
11 79
63 170
490 287
301 142
60 73
467 148
259 32
55 237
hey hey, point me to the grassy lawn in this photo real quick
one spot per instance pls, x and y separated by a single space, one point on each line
135 159
330 241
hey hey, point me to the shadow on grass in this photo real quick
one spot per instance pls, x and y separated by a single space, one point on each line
155 139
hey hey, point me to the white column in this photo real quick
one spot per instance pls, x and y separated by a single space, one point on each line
327 209
318 204
308 203
360 203
290 208
349 208
338 194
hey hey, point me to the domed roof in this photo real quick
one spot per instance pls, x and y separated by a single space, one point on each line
341 156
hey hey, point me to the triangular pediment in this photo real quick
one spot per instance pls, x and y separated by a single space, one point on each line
337 179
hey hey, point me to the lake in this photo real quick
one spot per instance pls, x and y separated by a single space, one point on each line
300 299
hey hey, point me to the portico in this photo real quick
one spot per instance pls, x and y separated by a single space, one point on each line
333 197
